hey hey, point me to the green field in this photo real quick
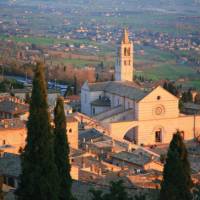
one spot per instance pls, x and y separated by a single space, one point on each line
157 64
45 41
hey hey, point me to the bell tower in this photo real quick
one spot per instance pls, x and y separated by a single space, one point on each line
124 62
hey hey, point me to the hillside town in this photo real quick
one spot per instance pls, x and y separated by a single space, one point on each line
116 130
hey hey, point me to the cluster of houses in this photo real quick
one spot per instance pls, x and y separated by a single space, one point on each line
116 130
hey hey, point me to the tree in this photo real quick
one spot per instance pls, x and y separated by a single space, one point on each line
187 96
196 192
75 85
97 194
27 98
117 191
97 77
1 185
112 77
39 177
140 197
61 148
177 181
197 98
171 87
68 91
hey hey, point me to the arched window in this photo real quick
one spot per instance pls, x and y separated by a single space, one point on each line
158 135
125 51
128 52
70 130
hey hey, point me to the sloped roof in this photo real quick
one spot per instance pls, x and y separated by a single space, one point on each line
127 89
140 160
101 102
10 165
99 86
13 107
90 134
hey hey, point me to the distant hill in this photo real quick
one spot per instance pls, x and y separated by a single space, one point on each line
157 5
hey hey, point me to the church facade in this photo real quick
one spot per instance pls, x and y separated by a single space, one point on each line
131 112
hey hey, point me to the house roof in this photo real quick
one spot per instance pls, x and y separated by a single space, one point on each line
12 123
89 134
12 107
10 165
99 86
73 98
71 119
192 106
127 89
140 160
22 90
101 102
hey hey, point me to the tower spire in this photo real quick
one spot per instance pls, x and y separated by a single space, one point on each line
124 62
125 36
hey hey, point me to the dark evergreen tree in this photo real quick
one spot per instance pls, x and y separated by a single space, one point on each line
68 91
1 185
112 77
97 194
177 181
140 197
165 86
61 149
197 98
75 85
39 178
27 98
196 192
97 77
117 191
187 96
171 87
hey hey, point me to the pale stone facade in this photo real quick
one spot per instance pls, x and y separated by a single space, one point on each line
130 112
12 140
124 62
72 132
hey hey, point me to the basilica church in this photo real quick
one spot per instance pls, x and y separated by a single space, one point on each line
134 113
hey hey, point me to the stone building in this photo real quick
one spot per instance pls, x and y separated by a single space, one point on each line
72 132
12 135
143 116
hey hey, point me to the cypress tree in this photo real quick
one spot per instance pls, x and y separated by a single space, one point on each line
39 178
117 191
1 185
75 85
177 181
61 149
197 98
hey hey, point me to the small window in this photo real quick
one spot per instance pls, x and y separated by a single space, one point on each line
158 136
158 97
11 182
125 51
93 111
70 130
128 52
